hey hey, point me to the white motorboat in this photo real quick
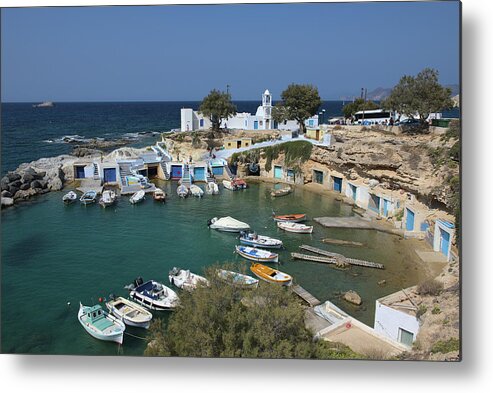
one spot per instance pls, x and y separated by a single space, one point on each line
256 254
227 224
212 188
139 196
108 198
153 295
182 191
159 195
237 279
129 312
252 239
70 197
185 279
88 197
196 191
101 325
294 227
229 185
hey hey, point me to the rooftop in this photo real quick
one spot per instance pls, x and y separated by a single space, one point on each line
405 300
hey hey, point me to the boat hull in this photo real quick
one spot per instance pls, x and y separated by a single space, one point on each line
264 276
257 258
290 218
114 337
255 243
295 229
151 304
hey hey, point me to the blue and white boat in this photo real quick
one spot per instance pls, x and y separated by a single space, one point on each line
250 238
237 279
88 197
153 295
254 254
101 325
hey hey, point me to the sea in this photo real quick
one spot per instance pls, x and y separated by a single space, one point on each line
55 256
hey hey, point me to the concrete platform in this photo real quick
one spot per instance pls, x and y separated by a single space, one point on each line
431 256
345 222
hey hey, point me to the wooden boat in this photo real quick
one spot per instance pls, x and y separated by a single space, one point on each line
212 188
70 197
129 313
159 195
88 197
290 218
294 227
185 279
182 191
240 184
237 279
101 325
252 239
271 275
108 198
281 192
139 196
227 224
229 185
153 295
196 191
257 255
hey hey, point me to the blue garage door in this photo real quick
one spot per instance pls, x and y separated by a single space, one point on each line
338 184
444 242
278 172
353 190
217 170
176 171
109 175
255 125
199 173
386 204
79 172
409 220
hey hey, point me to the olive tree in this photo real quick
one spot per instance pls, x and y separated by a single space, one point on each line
217 106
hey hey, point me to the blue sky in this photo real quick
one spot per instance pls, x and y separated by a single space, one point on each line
182 52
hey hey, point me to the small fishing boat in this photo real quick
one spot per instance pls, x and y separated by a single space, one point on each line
240 184
196 191
212 188
257 255
227 224
88 197
237 279
108 198
70 197
101 325
294 227
139 196
281 192
290 218
185 279
271 275
229 185
182 191
252 239
129 313
159 195
153 295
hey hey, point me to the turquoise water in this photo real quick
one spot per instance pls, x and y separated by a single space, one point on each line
54 254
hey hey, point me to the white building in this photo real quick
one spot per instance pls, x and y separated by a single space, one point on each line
262 120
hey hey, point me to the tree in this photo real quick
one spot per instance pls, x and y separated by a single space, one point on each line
279 113
420 95
300 103
224 320
217 106
357 105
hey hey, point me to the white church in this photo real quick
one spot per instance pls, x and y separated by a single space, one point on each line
262 120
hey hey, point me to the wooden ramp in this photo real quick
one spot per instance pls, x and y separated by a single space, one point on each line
305 295
339 257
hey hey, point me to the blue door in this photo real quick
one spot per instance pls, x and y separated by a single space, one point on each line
375 203
338 184
353 189
278 172
444 242
217 170
109 175
409 220
79 172
176 171
255 125
310 123
386 204
199 173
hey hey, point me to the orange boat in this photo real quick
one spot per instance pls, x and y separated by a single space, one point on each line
271 275
290 218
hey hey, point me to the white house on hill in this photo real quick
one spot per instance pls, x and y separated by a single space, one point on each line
262 120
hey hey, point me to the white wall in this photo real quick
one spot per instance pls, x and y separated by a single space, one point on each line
388 321
437 237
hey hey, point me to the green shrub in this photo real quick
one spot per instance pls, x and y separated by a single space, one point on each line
436 310
450 345
421 311
430 287
398 216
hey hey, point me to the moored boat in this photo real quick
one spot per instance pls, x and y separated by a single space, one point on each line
229 185
88 197
153 295
69 197
227 224
240 184
237 279
185 279
294 227
101 325
139 196
182 191
281 192
257 255
129 313
108 198
290 217
196 191
253 239
271 275
159 195
212 188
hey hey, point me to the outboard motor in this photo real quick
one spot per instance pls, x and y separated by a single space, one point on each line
209 222
138 281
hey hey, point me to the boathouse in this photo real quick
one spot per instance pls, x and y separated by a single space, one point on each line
237 143
443 237
358 192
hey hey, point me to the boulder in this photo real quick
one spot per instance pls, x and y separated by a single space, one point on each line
40 175
16 183
6 194
36 184
7 202
25 186
44 183
13 189
27 178
352 297
55 184
12 176
25 194
30 171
